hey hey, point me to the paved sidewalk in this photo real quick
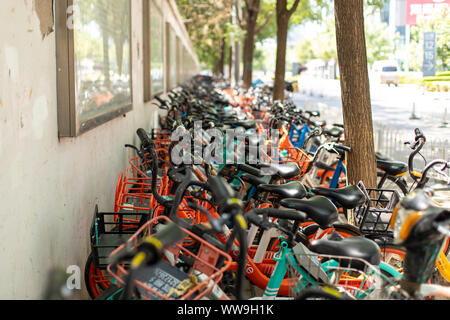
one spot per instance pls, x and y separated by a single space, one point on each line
392 108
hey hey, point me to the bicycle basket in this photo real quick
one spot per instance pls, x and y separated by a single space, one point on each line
374 215
142 168
109 231
161 134
204 265
354 277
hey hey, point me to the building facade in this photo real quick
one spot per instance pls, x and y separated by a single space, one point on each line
77 78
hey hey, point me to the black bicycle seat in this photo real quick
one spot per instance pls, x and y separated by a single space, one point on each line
318 208
320 123
293 189
348 197
392 168
333 132
287 170
352 247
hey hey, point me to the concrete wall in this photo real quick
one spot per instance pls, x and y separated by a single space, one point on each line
49 187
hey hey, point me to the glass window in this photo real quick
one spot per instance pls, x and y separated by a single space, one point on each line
156 49
172 58
389 69
96 62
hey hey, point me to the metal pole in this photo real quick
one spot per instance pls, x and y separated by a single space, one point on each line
444 120
413 114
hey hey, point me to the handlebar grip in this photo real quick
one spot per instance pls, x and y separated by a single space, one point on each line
419 134
160 100
221 190
146 141
253 218
344 148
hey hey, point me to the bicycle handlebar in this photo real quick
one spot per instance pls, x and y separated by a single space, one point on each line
416 146
282 214
419 134
330 147
224 195
423 179
147 143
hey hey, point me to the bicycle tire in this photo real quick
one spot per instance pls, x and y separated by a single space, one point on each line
91 272
321 293
110 293
391 251
398 182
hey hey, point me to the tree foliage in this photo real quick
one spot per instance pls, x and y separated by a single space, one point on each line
208 23
380 42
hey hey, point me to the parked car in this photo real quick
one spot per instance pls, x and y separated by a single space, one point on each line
388 72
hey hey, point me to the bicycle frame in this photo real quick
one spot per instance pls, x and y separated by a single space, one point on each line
340 168
302 133
284 256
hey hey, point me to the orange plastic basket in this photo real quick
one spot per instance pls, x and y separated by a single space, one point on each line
133 196
204 274
161 134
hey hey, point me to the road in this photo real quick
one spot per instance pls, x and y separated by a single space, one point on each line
392 108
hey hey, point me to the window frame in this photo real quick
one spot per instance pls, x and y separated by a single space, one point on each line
147 49
170 32
68 125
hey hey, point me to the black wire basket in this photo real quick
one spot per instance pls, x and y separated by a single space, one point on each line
373 217
109 231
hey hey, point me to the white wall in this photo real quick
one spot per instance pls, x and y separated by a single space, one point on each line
49 187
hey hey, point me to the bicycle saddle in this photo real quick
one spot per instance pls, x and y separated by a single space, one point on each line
392 168
333 132
352 247
287 170
319 123
293 189
349 197
381 156
318 208
313 113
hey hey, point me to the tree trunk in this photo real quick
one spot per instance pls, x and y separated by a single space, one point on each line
220 65
249 42
356 104
280 69
230 64
249 49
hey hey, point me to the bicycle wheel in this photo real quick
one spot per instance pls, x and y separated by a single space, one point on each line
322 293
96 279
393 183
393 255
111 293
